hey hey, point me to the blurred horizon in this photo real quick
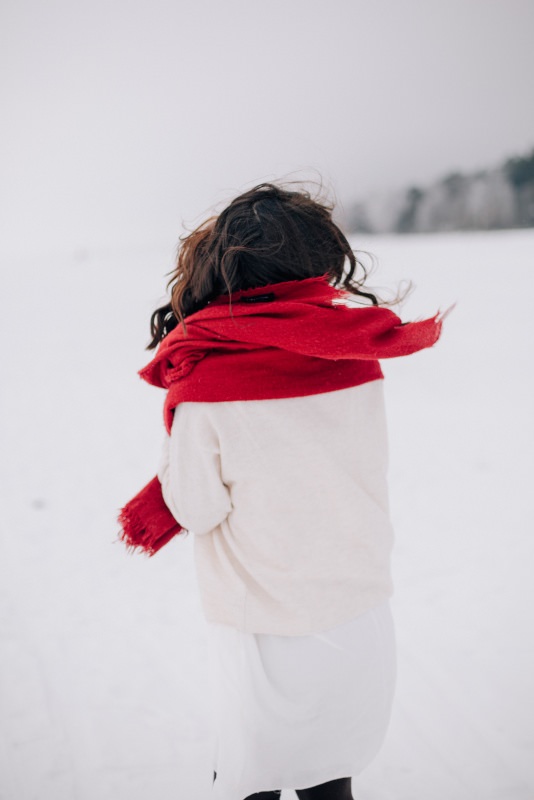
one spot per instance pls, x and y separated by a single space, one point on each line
126 122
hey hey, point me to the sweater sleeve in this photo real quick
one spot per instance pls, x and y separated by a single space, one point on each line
190 471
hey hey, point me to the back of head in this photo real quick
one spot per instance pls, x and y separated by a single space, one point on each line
270 234
267 235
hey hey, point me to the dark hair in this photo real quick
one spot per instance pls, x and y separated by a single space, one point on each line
266 235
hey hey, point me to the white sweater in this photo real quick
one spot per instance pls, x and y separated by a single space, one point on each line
288 502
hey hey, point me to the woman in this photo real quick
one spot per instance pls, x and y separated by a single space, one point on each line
276 460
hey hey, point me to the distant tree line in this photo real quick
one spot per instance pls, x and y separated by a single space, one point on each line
502 197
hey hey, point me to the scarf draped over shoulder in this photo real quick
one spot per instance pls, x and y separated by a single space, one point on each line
288 339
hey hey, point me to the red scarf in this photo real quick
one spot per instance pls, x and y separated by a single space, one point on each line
285 340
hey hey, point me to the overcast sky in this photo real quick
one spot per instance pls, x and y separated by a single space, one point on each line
124 118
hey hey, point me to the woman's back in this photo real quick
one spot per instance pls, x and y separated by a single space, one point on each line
288 501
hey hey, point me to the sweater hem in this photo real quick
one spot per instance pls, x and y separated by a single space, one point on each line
300 629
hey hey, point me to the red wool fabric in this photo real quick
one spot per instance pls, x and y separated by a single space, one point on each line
289 339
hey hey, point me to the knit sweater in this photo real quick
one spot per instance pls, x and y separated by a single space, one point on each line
287 499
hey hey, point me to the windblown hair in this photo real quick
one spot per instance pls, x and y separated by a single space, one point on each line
266 235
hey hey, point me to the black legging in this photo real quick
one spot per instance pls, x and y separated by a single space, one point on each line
339 789
333 790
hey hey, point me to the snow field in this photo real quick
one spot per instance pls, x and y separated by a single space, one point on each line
103 683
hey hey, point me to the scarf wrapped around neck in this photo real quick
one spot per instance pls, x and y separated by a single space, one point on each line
288 339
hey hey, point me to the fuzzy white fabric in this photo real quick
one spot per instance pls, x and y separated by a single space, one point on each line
292 712
288 502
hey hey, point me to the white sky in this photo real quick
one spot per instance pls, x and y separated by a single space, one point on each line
123 118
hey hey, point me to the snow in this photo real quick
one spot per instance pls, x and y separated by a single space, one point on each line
103 679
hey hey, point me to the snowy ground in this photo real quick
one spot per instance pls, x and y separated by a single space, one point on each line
103 654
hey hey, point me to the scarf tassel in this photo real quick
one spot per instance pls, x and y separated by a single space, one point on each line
146 522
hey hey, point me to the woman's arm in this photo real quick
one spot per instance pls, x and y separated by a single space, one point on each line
190 471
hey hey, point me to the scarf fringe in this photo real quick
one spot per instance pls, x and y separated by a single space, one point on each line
146 522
